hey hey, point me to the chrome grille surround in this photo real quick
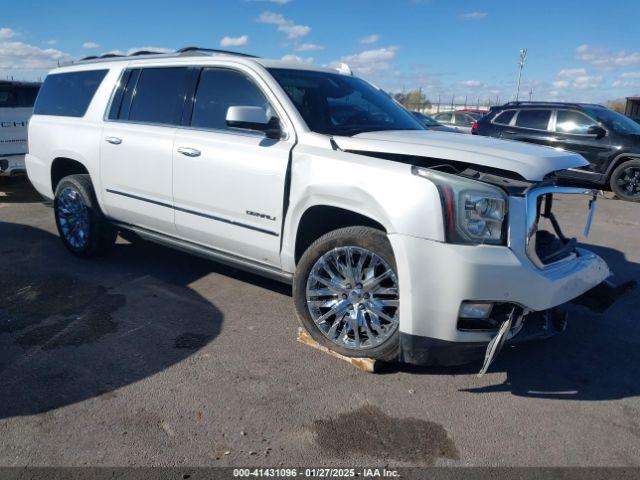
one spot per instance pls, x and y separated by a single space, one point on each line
532 218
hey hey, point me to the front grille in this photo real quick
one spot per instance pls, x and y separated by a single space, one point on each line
546 243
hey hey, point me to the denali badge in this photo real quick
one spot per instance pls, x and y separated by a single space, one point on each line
261 215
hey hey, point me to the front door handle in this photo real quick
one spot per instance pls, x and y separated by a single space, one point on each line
113 140
189 152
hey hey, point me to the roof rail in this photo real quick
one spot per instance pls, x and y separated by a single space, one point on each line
212 50
524 103
178 53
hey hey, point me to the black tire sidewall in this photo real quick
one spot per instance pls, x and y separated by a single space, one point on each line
83 186
364 237
616 174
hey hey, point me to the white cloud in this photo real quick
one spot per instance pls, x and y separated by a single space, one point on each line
6 33
628 80
472 83
234 41
576 78
309 47
51 42
369 61
15 55
474 15
90 45
278 2
369 39
291 29
603 58
571 72
298 59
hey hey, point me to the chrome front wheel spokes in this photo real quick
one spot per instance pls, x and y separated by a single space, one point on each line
73 217
352 296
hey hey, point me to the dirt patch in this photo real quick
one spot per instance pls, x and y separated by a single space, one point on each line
56 310
369 431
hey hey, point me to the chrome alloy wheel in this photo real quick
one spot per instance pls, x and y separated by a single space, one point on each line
629 181
73 217
352 296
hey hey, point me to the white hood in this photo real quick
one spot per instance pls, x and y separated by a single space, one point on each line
533 162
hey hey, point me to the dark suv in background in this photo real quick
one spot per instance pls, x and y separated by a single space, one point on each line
608 140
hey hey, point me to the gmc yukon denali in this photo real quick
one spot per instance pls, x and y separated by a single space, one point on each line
401 243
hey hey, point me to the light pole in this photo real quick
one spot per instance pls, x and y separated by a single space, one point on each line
523 58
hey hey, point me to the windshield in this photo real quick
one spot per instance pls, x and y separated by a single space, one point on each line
335 104
615 120
426 120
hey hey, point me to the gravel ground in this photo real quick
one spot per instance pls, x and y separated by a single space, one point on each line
152 357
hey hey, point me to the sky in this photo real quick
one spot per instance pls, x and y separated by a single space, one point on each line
585 50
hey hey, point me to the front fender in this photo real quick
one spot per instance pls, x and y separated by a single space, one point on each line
382 190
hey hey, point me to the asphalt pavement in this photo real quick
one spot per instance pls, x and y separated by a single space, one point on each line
149 356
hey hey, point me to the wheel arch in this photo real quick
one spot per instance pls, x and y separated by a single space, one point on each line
617 161
63 167
319 219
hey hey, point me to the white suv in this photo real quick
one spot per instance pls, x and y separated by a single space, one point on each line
400 242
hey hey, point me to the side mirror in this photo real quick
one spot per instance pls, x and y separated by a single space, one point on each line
254 118
597 130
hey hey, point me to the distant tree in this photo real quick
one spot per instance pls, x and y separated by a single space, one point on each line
413 100
617 105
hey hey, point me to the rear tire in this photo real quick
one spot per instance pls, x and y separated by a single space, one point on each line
625 181
365 297
82 226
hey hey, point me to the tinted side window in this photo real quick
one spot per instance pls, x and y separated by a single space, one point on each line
68 94
573 122
505 117
220 89
538 119
443 117
463 120
8 96
27 96
159 95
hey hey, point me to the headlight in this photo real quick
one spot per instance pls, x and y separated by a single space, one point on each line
474 212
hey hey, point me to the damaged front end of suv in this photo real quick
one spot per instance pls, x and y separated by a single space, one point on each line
508 266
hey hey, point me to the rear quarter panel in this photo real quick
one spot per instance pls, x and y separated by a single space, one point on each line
52 137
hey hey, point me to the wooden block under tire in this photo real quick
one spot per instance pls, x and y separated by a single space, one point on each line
365 364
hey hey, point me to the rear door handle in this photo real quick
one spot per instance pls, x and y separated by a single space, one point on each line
113 140
189 152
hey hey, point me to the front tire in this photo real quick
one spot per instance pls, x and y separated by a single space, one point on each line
625 181
82 226
346 293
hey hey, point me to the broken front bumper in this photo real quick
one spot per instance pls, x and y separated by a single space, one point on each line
436 277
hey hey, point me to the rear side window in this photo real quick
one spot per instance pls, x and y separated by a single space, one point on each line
159 95
220 89
444 117
68 94
537 119
505 117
